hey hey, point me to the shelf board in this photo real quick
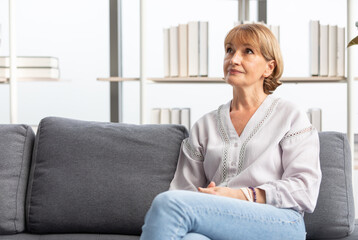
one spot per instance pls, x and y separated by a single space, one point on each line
117 79
220 80
314 79
187 80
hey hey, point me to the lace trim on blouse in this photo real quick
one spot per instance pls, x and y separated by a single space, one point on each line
226 141
295 134
193 153
253 132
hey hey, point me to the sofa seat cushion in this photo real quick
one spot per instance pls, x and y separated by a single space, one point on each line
93 177
16 143
334 214
352 236
78 236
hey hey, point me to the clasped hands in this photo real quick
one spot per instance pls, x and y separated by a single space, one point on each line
231 192
222 191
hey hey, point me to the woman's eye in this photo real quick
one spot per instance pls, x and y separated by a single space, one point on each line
249 51
229 50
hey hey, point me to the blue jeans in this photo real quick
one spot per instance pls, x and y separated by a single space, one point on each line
198 216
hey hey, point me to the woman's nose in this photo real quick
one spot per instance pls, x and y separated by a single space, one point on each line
236 58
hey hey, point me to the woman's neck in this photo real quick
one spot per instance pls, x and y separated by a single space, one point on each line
247 100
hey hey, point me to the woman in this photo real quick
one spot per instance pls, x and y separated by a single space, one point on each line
252 166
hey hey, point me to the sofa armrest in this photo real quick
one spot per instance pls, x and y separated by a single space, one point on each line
334 213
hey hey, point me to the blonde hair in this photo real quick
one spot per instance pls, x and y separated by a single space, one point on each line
261 38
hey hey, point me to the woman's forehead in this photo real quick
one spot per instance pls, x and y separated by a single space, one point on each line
242 37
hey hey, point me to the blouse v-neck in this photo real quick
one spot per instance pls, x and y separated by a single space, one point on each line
251 124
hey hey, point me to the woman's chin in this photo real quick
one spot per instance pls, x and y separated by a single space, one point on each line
232 81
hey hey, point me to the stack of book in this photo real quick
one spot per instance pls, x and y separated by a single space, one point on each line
171 116
186 50
315 117
31 67
275 29
327 50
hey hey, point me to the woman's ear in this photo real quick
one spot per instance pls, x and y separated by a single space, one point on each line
270 66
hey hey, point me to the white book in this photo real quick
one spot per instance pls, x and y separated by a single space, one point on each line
193 48
275 29
237 23
323 50
175 115
22 62
309 116
332 51
314 47
183 50
247 22
341 52
203 48
165 116
185 117
155 116
31 73
316 118
31 61
166 57
174 51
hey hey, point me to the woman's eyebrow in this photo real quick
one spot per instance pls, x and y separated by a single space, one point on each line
247 45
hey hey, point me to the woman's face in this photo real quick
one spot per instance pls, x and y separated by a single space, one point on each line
245 66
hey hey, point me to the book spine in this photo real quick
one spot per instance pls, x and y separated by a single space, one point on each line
193 49
155 116
174 53
31 62
275 29
166 57
165 116
332 51
314 47
323 51
32 73
183 50
203 48
309 116
341 52
185 117
175 115
316 118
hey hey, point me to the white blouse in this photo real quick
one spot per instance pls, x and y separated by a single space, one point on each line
278 151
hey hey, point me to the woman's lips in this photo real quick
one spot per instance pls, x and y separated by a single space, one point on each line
234 71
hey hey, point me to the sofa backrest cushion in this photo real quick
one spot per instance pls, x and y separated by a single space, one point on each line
334 213
16 143
98 177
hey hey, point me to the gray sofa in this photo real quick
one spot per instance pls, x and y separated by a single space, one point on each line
90 180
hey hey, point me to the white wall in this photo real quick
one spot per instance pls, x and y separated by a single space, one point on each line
77 33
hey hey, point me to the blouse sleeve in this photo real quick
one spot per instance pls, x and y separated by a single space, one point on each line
299 186
190 173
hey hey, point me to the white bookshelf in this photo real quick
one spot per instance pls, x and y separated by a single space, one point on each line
13 80
349 80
